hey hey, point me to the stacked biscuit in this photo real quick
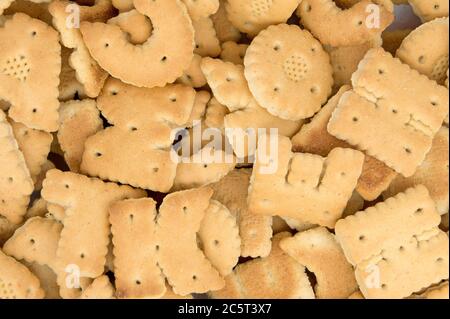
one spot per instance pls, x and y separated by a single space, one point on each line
321 170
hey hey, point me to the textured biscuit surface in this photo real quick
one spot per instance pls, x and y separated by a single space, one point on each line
432 173
219 236
100 288
255 230
387 225
78 121
180 217
164 63
29 71
134 237
351 26
275 276
34 145
405 269
318 250
429 10
201 8
16 184
85 236
315 189
288 72
426 49
314 138
436 292
253 16
345 60
64 13
225 30
148 119
397 103
36 241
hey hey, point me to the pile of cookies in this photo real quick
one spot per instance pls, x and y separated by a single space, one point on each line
106 191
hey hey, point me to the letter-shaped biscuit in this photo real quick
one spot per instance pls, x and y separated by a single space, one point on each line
314 189
433 173
387 224
390 102
219 236
29 71
345 60
135 247
35 244
337 27
179 220
35 146
318 250
425 49
136 25
136 150
36 241
314 138
65 15
85 236
255 230
7 229
123 5
227 82
154 63
400 271
16 184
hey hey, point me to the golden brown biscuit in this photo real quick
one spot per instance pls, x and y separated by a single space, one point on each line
314 189
319 251
16 280
432 173
275 276
314 138
30 79
255 230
